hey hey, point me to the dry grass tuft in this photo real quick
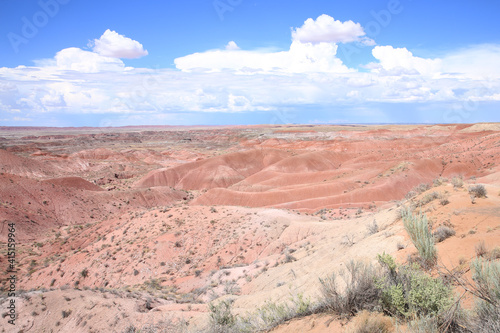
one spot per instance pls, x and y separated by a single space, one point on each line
480 249
442 232
371 322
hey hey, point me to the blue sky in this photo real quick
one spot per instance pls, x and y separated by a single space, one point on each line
111 63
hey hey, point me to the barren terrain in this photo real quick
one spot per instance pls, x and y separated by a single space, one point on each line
133 227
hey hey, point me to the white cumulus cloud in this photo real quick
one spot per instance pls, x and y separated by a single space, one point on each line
401 61
313 49
231 80
474 62
112 44
325 29
300 58
232 46
79 60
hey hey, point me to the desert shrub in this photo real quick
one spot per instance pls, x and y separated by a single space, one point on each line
348 240
369 322
410 195
457 182
473 198
442 232
422 188
437 182
65 314
444 201
84 273
480 249
154 284
269 315
372 228
428 295
479 191
487 279
264 318
425 324
495 253
408 292
417 228
272 314
429 197
486 276
222 320
359 292
131 329
168 324
488 319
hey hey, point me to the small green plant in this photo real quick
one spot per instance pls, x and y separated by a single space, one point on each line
408 292
417 227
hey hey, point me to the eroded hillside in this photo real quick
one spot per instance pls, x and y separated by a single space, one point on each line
149 225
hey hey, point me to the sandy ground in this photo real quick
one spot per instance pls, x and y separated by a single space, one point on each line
136 226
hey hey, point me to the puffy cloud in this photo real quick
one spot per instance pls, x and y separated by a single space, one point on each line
105 56
232 46
164 91
313 49
231 80
325 29
476 62
84 61
300 58
398 61
112 44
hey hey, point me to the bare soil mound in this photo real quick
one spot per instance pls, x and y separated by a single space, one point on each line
75 182
362 173
38 206
22 166
219 171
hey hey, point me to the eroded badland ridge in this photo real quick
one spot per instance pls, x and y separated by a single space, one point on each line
124 228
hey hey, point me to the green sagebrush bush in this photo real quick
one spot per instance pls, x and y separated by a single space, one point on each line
408 292
486 276
417 227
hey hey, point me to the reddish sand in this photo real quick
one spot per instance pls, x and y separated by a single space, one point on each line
379 167
150 224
